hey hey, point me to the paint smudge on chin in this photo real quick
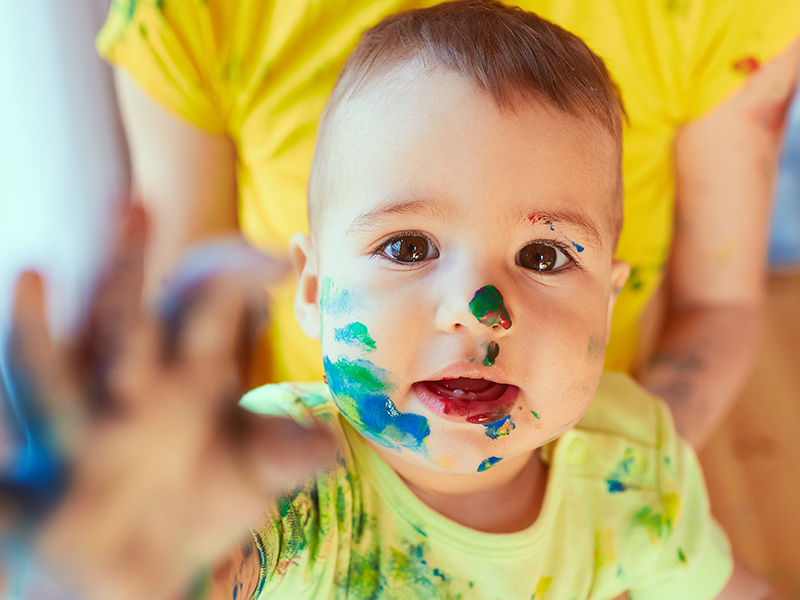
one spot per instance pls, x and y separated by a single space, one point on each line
488 307
500 428
358 388
492 350
334 300
355 334
488 463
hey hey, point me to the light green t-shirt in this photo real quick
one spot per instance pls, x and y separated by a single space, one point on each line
625 510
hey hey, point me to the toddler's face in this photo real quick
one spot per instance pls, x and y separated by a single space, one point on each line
463 271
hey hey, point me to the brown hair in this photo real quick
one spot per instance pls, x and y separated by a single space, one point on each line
508 52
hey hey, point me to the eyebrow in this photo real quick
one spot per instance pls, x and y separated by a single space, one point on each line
568 217
373 219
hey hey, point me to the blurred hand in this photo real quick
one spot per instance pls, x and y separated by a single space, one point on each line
166 470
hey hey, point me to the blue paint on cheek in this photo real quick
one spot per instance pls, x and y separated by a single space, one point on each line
358 387
500 428
578 247
335 301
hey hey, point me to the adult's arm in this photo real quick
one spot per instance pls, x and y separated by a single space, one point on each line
185 177
726 162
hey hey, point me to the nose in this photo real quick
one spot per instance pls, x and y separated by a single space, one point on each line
486 310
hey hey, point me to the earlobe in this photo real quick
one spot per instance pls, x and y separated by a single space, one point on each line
306 296
619 275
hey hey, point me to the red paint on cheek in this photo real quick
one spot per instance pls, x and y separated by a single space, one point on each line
747 65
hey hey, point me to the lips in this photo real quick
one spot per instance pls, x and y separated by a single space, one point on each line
464 399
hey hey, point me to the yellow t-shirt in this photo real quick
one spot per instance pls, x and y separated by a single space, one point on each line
625 509
260 72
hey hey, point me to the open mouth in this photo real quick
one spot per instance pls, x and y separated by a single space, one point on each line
466 399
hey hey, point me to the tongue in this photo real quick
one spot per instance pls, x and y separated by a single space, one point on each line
463 388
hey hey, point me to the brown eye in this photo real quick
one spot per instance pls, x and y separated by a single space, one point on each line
539 256
410 249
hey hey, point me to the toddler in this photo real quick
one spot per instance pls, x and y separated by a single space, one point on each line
465 203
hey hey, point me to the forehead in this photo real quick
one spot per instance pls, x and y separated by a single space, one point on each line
431 134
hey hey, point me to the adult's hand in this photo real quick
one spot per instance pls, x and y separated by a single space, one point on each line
166 470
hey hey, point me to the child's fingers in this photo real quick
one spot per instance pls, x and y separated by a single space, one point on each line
117 302
210 336
243 267
30 336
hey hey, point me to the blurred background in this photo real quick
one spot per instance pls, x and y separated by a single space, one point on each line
64 169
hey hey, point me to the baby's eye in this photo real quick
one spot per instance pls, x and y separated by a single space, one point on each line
410 248
541 256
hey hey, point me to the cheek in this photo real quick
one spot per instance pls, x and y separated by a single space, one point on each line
361 391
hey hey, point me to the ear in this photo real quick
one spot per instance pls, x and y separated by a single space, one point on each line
619 275
306 296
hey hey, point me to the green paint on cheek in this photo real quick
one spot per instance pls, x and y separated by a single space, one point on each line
535 415
492 350
488 463
488 307
355 334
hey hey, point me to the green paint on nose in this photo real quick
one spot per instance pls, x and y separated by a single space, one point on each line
492 350
488 307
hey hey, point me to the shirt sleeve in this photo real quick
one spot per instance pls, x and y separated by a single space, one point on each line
724 42
695 560
177 52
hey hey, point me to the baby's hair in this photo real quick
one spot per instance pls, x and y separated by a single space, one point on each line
510 53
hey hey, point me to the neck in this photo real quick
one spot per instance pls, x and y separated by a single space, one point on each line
505 499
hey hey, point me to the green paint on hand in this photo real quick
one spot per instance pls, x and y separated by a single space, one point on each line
681 556
488 463
492 350
355 334
488 307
